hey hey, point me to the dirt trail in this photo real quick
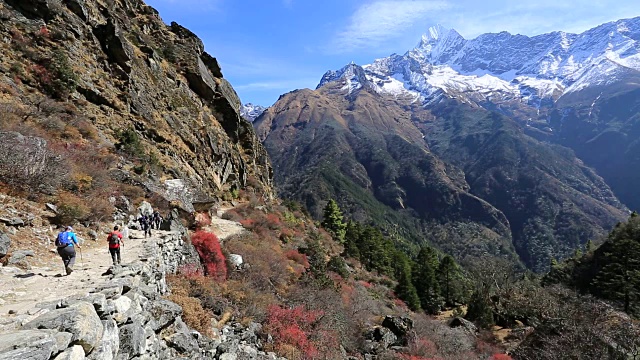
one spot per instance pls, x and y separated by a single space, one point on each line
21 290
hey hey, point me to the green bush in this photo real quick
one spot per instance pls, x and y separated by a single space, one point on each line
337 265
63 79
129 142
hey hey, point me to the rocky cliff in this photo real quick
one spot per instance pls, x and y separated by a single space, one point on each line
130 81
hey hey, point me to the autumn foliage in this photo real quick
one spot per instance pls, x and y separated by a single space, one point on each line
291 329
213 260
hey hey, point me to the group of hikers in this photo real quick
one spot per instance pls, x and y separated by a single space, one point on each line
67 241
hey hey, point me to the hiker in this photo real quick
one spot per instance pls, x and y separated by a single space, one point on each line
157 219
145 223
66 243
115 241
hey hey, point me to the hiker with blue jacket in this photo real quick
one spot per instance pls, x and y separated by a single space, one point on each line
66 242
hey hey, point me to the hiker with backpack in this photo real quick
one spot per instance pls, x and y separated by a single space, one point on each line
157 219
145 224
115 241
66 242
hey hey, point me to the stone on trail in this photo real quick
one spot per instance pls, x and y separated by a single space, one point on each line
110 343
27 345
133 339
80 319
75 352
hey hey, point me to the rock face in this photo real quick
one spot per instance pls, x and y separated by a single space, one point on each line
5 243
135 72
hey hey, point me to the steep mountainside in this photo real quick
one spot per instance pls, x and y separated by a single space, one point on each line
120 74
366 152
578 90
488 110
464 178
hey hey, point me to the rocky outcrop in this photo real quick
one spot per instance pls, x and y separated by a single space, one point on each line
126 317
135 72
5 244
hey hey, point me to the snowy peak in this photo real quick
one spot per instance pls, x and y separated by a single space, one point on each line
439 44
353 76
251 112
500 66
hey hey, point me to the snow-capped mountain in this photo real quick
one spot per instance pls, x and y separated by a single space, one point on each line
501 67
250 111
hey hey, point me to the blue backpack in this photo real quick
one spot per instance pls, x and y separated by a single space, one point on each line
63 240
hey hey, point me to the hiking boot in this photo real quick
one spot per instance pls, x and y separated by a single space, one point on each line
69 270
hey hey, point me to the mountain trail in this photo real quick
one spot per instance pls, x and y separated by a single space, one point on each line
23 289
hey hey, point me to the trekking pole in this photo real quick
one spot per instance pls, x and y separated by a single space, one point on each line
81 260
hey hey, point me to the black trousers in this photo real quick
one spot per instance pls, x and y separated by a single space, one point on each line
68 255
115 255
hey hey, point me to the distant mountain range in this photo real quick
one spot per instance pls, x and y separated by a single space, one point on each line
250 111
509 145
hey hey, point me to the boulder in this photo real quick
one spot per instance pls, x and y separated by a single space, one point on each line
27 345
183 343
236 260
464 323
79 319
400 326
5 244
163 313
133 340
383 336
52 207
14 221
145 208
75 352
110 343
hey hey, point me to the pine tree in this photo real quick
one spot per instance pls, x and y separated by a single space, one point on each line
405 289
425 281
333 221
450 279
619 277
352 240
479 310
590 247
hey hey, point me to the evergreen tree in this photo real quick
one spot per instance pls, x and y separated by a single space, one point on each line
352 239
425 281
450 279
479 310
590 247
619 277
405 289
333 221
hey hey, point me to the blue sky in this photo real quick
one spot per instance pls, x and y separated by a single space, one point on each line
269 47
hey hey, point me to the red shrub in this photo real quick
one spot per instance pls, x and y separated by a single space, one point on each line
248 223
292 328
300 259
213 260
366 284
272 221
43 32
500 357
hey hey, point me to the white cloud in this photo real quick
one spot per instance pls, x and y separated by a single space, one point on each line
377 22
